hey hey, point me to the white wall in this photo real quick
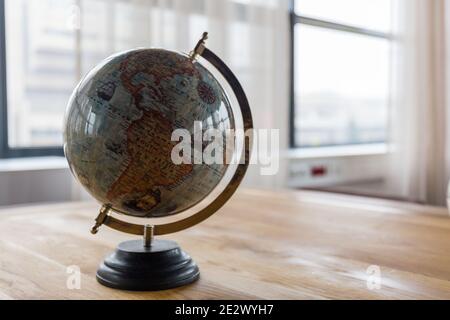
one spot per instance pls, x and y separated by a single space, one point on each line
34 180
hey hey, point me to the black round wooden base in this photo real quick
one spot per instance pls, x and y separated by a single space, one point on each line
132 266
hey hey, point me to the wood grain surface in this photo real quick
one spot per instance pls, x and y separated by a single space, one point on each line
260 245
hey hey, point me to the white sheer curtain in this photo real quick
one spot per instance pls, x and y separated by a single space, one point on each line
251 36
420 158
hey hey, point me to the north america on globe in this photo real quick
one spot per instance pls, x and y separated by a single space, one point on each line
119 125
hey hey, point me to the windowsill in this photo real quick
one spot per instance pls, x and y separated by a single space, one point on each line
54 162
339 151
33 164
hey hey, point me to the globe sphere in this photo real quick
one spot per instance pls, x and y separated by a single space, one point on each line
119 124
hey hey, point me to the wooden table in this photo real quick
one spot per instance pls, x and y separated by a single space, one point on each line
290 245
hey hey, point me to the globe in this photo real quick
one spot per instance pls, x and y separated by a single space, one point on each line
119 125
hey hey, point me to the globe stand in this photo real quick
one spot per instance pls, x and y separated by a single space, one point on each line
149 265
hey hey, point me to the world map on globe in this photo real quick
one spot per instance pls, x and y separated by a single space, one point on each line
119 125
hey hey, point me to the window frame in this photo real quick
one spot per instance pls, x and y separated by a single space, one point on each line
5 150
326 24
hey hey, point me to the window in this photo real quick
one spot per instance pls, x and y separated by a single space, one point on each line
47 45
37 75
341 70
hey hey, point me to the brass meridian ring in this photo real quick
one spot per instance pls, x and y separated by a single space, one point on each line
216 204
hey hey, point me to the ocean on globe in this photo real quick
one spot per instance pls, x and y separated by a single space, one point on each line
119 125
